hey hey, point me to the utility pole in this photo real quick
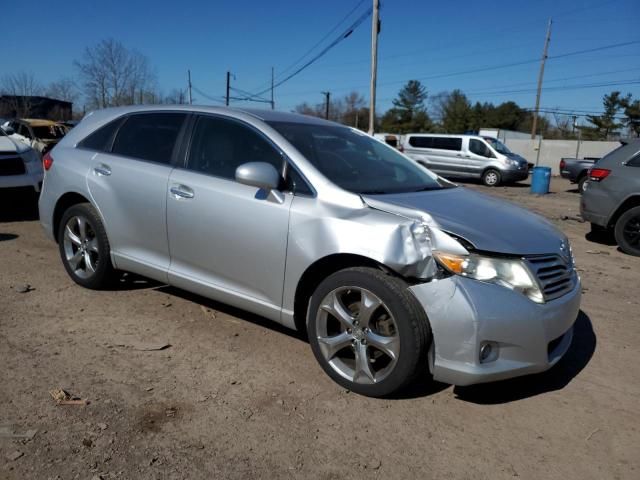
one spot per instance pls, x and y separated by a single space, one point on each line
326 104
375 30
189 76
273 104
540 77
228 86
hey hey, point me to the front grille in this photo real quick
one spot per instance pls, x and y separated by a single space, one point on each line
555 275
11 166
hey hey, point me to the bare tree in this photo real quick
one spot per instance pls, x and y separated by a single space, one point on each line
64 89
20 87
113 75
176 97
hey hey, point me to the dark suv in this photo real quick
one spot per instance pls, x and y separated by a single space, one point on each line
611 200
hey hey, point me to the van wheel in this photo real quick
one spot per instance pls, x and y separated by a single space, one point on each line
491 178
367 331
84 247
627 231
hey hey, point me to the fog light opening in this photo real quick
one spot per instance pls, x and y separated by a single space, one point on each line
488 352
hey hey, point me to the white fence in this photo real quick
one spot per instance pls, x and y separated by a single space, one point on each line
551 151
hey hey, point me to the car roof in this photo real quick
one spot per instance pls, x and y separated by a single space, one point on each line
262 114
38 122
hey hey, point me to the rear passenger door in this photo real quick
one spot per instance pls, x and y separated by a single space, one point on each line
445 153
128 182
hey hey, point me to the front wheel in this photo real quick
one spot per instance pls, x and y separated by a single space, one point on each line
367 331
84 247
491 178
627 231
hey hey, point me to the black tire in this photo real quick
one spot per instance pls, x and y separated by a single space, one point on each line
491 177
627 231
102 274
411 328
582 184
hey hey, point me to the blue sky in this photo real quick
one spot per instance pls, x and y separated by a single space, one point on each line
419 39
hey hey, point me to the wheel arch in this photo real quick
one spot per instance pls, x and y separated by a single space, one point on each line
65 202
316 273
629 202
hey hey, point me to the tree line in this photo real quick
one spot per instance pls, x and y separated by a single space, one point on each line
413 110
109 74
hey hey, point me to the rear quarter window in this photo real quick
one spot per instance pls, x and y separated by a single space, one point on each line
634 162
101 139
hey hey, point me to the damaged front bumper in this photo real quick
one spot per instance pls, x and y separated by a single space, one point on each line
466 314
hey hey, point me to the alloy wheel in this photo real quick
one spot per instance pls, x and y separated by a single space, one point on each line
81 248
631 231
357 335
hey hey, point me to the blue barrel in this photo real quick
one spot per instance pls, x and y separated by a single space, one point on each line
540 180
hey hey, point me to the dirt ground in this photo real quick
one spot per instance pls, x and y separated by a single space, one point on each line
235 396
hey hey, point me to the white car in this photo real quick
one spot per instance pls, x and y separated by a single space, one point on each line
20 165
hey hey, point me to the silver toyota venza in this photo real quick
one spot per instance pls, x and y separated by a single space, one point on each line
390 269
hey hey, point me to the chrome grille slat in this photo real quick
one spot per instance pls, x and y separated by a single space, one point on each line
555 275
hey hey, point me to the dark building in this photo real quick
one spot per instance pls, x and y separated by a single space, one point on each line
12 106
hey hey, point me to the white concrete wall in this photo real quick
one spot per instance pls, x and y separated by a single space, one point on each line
551 151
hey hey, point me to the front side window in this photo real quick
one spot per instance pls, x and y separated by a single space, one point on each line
479 148
219 146
24 131
149 136
498 146
356 162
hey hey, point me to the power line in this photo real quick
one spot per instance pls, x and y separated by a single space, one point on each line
323 52
308 52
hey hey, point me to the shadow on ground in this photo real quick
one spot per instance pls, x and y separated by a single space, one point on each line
582 348
18 205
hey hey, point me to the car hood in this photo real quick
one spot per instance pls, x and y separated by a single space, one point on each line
8 145
488 223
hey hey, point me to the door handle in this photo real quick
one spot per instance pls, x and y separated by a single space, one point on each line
181 191
458 155
467 156
102 170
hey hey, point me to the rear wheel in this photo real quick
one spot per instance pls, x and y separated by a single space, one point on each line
491 178
84 247
627 231
367 331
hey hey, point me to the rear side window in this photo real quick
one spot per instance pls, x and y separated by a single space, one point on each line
439 143
421 142
101 139
220 145
149 136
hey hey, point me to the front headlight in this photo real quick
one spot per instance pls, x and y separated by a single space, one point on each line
510 273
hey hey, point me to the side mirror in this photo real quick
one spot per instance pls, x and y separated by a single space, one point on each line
258 174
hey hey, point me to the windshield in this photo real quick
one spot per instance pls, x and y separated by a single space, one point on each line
53 132
498 146
356 162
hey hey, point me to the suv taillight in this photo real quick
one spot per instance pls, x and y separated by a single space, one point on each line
47 161
598 174
562 164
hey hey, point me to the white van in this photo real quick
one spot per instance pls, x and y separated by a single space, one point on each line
466 156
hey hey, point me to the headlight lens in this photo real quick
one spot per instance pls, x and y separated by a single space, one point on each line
510 273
